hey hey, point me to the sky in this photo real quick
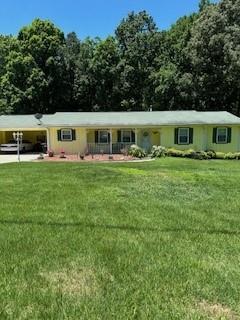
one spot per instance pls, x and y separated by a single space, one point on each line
89 17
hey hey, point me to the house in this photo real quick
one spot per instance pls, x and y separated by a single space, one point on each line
110 132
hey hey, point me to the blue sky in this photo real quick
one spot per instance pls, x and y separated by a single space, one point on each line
89 17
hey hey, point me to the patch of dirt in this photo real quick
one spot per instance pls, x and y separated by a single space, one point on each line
73 282
217 311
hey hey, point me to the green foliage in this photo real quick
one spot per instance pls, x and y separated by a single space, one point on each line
214 54
172 152
136 152
211 154
232 156
193 65
158 152
203 4
190 153
201 155
220 155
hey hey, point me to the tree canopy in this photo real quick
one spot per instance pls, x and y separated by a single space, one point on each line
194 64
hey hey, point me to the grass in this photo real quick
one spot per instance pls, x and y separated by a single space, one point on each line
154 240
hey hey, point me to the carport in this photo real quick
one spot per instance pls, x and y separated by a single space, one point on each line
32 129
36 137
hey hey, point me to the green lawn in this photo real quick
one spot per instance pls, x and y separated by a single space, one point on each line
153 240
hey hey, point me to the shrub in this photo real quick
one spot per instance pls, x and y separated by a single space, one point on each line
201 155
211 154
158 152
220 155
237 155
230 156
171 152
189 153
136 151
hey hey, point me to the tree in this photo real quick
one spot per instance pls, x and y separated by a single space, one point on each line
214 51
22 84
44 42
172 76
84 89
203 4
139 43
105 61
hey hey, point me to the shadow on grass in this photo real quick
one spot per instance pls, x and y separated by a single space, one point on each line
119 227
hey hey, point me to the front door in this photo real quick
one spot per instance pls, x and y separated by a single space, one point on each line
146 140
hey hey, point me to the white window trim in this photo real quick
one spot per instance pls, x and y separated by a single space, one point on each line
226 135
62 135
99 142
179 142
122 131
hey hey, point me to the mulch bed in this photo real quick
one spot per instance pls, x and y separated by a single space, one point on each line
89 158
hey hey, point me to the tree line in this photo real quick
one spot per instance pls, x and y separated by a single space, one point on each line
193 65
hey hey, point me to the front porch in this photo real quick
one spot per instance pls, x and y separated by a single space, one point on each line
116 141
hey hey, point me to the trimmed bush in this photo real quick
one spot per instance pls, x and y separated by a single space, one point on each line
220 155
158 152
171 152
136 152
211 154
189 153
230 156
237 155
202 155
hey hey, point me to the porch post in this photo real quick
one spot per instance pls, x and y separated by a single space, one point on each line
110 131
160 137
136 137
48 140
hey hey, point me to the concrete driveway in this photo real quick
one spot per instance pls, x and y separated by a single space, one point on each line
8 158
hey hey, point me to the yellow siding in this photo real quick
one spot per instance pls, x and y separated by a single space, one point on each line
167 138
70 147
228 147
202 139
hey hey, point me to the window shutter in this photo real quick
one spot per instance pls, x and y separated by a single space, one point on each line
133 136
229 135
108 137
214 138
176 136
59 135
73 134
96 136
190 135
119 136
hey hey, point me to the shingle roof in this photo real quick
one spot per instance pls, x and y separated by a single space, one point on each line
154 118
18 121
120 119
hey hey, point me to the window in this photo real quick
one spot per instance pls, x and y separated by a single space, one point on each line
126 136
183 136
66 134
103 136
222 135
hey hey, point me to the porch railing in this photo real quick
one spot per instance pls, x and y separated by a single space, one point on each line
98 148
120 147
